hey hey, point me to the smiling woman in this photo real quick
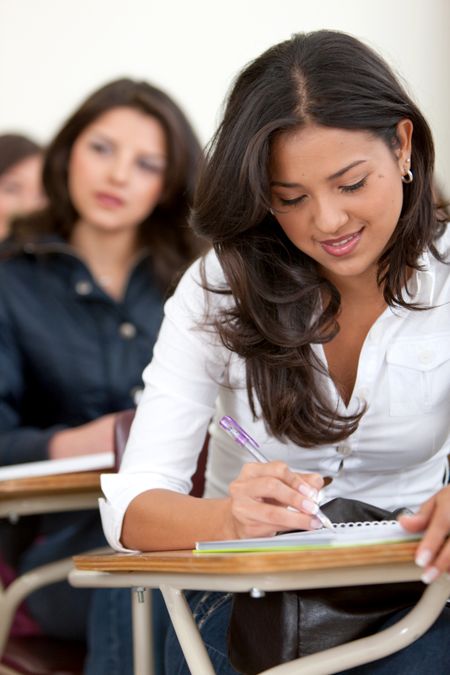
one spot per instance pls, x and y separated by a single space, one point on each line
82 284
320 322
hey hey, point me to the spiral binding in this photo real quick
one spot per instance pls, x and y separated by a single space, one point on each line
366 523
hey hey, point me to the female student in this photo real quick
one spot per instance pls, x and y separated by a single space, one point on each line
20 178
320 322
81 294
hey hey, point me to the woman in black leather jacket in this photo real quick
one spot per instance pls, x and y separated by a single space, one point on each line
81 291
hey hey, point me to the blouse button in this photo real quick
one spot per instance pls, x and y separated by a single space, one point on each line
362 394
127 330
83 287
426 356
136 394
344 450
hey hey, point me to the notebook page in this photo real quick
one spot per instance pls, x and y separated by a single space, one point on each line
344 534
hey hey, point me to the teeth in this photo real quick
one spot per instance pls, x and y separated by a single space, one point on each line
342 242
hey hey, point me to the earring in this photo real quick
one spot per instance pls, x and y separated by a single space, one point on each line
272 212
408 177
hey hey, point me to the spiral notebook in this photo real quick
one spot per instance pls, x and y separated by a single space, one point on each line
343 534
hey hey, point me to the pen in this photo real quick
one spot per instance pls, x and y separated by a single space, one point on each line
241 437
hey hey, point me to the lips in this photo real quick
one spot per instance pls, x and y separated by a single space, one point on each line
342 245
109 200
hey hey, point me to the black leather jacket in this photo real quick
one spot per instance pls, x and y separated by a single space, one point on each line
69 353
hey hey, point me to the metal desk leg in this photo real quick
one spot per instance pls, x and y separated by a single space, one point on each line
143 651
187 632
20 588
374 647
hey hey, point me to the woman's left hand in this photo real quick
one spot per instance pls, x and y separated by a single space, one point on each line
433 517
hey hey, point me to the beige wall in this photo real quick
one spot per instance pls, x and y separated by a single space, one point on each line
53 52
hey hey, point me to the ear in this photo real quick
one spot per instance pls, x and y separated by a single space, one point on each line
403 150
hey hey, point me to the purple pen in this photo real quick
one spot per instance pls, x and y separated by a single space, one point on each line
241 437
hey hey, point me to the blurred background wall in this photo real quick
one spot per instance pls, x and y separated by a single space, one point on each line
54 52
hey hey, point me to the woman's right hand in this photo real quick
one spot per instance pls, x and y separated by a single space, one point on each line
87 439
270 498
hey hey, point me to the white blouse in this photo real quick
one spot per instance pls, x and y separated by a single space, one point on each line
397 456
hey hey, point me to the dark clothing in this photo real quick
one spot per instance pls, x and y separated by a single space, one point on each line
69 354
110 633
429 655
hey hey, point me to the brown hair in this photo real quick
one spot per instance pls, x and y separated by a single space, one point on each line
171 243
330 79
14 148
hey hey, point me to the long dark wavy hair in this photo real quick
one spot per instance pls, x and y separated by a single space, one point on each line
165 232
331 79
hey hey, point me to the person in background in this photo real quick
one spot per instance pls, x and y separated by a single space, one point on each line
20 178
320 322
82 285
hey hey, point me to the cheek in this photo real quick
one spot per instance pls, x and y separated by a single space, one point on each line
388 200
148 194
8 205
295 231
79 176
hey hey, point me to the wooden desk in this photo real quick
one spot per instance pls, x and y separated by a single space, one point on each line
175 571
48 494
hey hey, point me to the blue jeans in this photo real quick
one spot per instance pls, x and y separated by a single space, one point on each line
110 649
429 655
211 611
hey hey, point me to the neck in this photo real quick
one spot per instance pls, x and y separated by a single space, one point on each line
109 255
361 289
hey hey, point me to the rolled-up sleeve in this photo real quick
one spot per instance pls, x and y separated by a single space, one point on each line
171 422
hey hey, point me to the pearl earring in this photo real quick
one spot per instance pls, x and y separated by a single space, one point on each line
408 177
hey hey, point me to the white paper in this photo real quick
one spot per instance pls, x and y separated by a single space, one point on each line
50 467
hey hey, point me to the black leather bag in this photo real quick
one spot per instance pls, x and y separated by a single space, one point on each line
285 625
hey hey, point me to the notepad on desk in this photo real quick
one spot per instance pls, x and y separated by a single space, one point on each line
343 534
51 467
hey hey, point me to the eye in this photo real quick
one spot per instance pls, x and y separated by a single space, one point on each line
10 187
150 166
356 186
100 148
291 202
282 204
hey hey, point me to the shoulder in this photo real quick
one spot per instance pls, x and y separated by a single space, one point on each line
14 265
202 285
205 271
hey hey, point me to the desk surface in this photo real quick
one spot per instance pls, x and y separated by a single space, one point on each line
239 563
64 483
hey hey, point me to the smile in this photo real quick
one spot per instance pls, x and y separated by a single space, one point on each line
342 245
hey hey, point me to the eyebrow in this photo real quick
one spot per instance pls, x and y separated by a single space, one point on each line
338 174
104 137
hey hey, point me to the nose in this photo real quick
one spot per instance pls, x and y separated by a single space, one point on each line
119 169
329 216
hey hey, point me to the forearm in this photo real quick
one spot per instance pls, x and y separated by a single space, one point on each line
160 520
92 437
25 444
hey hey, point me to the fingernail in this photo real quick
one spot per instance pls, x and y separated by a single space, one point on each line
309 506
430 575
315 524
308 491
423 557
